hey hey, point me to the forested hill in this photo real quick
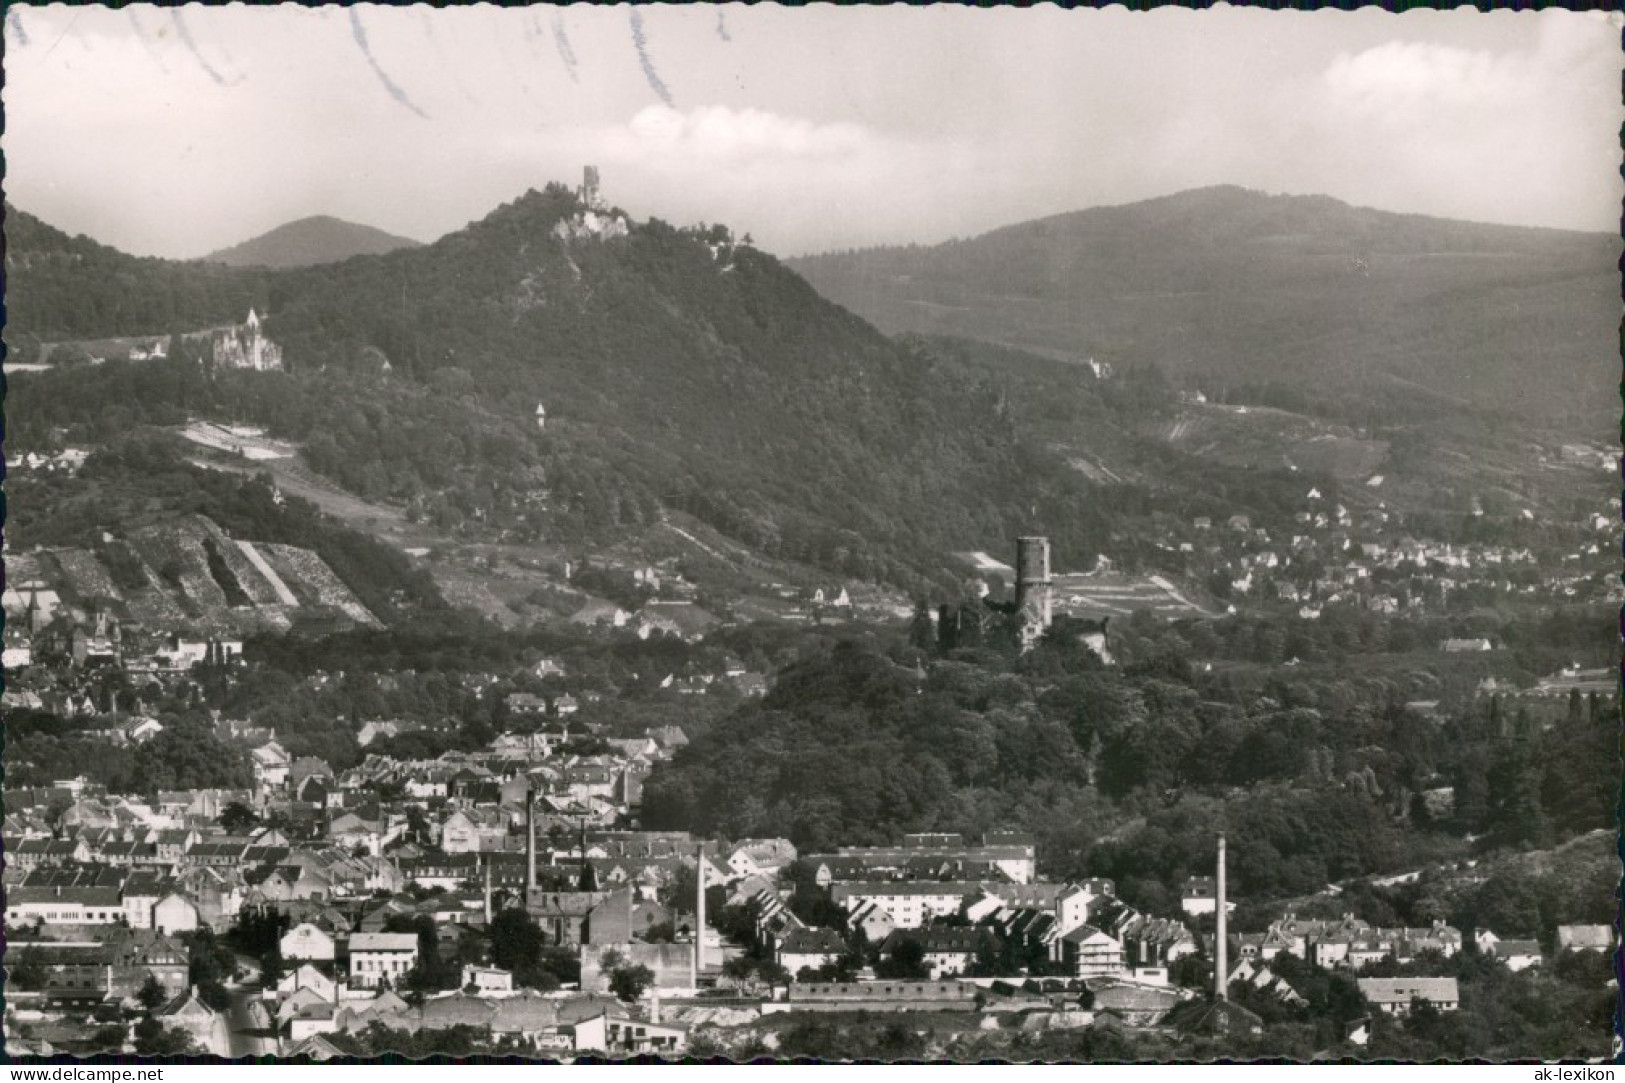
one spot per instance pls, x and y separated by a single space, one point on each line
310 241
1231 285
710 377
679 369
62 287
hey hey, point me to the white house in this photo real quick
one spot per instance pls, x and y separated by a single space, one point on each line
379 957
614 1033
810 949
175 914
271 764
306 941
1092 953
911 904
487 979
760 857
1395 995
1201 896
311 978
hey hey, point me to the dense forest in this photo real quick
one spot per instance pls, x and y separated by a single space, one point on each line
1129 772
62 287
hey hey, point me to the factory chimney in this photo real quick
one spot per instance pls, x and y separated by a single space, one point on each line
530 838
1221 968
488 891
699 914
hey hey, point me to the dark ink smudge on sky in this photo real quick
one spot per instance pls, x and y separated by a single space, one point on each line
15 21
186 38
389 84
146 42
566 54
641 44
722 26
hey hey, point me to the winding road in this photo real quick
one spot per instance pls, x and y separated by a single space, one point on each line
248 1024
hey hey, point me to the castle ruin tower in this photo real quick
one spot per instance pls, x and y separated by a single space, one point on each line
1033 590
589 189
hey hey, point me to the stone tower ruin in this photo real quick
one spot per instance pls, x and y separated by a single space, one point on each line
1033 590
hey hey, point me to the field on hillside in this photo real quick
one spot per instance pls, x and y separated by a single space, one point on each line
1265 438
246 441
1114 594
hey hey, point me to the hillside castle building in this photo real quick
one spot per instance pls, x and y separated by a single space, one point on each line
245 346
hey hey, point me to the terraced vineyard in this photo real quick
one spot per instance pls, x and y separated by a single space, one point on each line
187 573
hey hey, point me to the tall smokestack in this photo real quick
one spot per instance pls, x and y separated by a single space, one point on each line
530 838
699 914
1221 973
488 891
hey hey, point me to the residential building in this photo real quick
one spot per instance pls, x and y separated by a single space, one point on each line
487 979
379 958
306 941
810 949
614 1033
1584 938
1088 952
1396 995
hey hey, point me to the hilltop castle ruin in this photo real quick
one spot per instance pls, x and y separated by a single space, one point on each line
595 221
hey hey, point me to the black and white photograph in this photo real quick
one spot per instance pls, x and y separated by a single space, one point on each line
755 533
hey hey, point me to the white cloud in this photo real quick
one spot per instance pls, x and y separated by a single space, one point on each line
718 135
1406 76
1513 135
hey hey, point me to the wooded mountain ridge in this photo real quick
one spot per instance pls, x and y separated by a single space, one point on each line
1224 285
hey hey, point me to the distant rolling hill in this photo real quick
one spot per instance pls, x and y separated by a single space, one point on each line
308 242
1232 286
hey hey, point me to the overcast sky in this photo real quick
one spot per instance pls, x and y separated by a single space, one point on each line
175 133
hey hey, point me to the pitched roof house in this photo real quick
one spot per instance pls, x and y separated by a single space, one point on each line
1395 995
